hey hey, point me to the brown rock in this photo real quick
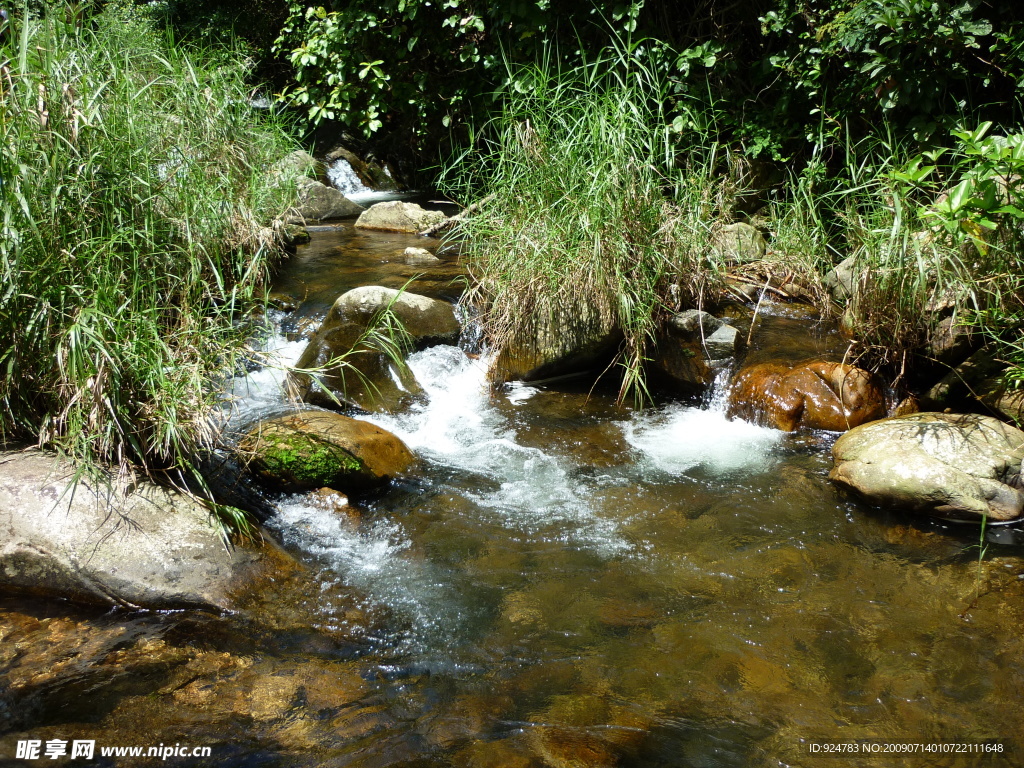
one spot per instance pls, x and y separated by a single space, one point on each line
817 395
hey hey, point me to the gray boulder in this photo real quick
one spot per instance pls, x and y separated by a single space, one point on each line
696 344
842 279
318 201
366 378
739 243
296 164
954 466
397 216
133 544
428 321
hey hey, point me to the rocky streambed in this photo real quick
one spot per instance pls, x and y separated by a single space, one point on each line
555 581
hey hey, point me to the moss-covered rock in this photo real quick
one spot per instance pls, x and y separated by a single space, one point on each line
317 449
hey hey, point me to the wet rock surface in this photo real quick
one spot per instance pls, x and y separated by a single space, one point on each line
362 374
815 395
960 466
320 449
132 544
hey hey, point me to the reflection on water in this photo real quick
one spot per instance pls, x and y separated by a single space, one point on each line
563 583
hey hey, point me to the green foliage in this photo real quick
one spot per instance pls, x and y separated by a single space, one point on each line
133 208
416 72
772 77
916 64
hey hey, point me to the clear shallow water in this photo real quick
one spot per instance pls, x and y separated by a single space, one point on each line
561 583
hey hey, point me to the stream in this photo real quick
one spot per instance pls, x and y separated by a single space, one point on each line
561 582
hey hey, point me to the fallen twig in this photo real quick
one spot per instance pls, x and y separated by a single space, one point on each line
433 230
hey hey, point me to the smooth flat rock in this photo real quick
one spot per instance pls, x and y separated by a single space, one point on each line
136 544
398 216
958 466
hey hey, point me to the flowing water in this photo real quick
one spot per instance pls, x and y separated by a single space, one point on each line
560 582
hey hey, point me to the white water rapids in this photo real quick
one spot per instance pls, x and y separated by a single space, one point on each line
536 493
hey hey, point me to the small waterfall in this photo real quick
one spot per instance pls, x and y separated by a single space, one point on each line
344 178
680 438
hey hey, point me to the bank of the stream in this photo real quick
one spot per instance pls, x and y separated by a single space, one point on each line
563 581
137 193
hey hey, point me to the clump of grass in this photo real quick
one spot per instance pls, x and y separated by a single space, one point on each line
578 235
134 202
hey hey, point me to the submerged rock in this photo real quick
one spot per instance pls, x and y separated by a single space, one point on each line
134 544
959 466
816 395
397 216
320 449
419 256
362 375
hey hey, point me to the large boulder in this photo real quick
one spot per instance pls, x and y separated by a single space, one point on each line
816 395
563 337
398 216
119 542
956 466
351 370
694 346
428 321
320 449
318 201
739 243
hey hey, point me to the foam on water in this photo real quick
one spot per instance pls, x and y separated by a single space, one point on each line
375 559
343 177
680 438
460 428
263 389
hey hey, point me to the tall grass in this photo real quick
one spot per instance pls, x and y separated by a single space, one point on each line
577 235
135 198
